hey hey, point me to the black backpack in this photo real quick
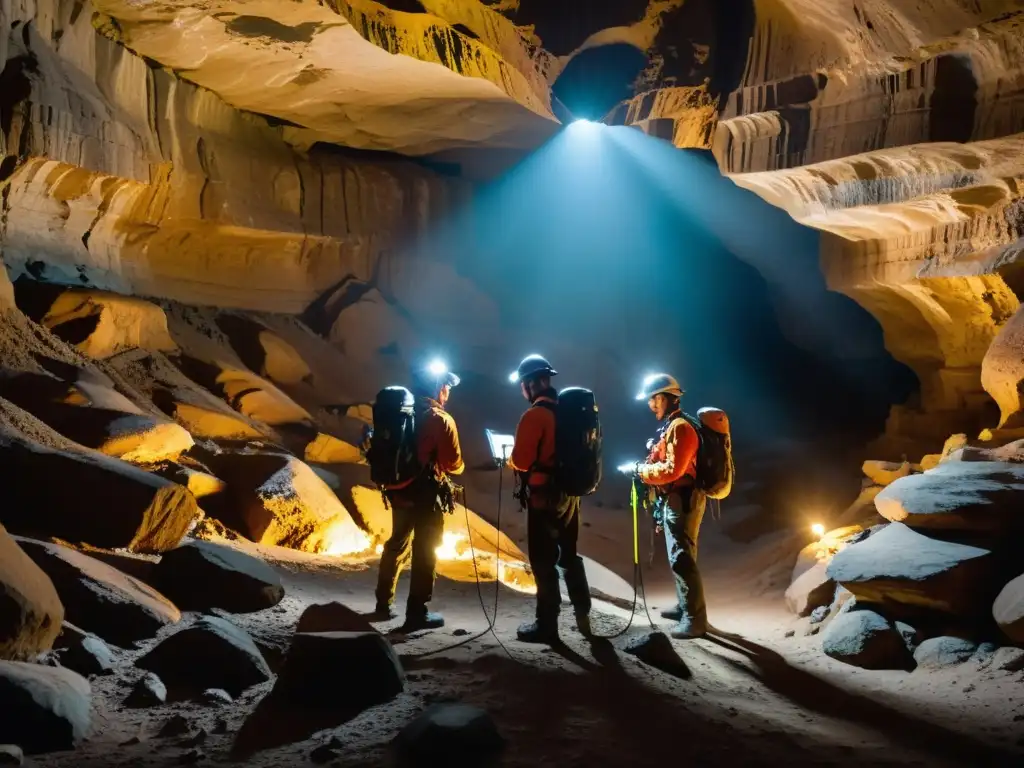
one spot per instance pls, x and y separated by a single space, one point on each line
578 441
392 452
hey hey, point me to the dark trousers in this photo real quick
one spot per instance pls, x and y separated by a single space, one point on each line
551 540
683 513
417 526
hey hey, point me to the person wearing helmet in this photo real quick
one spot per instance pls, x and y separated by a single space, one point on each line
671 469
418 507
553 519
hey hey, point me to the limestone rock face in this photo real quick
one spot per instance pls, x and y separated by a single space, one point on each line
958 495
902 569
30 610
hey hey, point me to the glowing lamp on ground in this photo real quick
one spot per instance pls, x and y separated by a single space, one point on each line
454 546
818 530
345 538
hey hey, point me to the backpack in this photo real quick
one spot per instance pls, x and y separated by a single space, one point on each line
392 451
715 467
578 442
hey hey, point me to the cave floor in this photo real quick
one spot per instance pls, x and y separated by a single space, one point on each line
750 695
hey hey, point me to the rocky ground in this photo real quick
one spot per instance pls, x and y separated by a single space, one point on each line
757 691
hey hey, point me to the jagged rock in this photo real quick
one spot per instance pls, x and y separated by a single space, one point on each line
11 754
347 671
215 697
274 498
885 472
939 652
46 709
1008 609
149 691
212 653
30 610
910 635
101 599
958 495
952 444
446 730
102 325
820 613
88 656
899 567
88 497
1009 659
811 591
332 617
200 484
656 649
200 575
865 639
177 725
97 417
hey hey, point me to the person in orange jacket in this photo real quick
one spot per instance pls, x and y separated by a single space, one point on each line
671 469
418 507
553 519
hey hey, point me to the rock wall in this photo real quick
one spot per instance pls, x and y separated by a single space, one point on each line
119 176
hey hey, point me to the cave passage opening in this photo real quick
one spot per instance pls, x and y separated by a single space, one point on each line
597 79
644 257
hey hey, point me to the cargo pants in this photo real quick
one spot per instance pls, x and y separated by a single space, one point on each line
417 529
553 529
682 512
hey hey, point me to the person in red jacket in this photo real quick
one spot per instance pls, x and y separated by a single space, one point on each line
671 469
553 519
418 506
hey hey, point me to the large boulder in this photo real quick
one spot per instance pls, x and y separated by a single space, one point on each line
332 617
348 671
273 498
101 599
885 472
911 573
45 709
958 495
88 656
201 574
1008 609
940 652
30 610
87 497
445 730
813 589
866 639
212 653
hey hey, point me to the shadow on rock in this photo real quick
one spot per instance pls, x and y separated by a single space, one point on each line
278 721
817 695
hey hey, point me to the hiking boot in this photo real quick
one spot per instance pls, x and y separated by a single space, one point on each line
535 632
583 624
419 621
673 614
687 629
383 612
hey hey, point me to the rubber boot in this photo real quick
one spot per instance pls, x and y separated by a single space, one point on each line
583 624
538 632
418 621
383 612
688 629
672 614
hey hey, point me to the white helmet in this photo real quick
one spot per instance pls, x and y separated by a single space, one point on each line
659 384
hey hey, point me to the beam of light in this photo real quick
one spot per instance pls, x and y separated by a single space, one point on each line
818 530
627 468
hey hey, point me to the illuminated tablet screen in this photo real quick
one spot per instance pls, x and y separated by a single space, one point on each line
501 445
